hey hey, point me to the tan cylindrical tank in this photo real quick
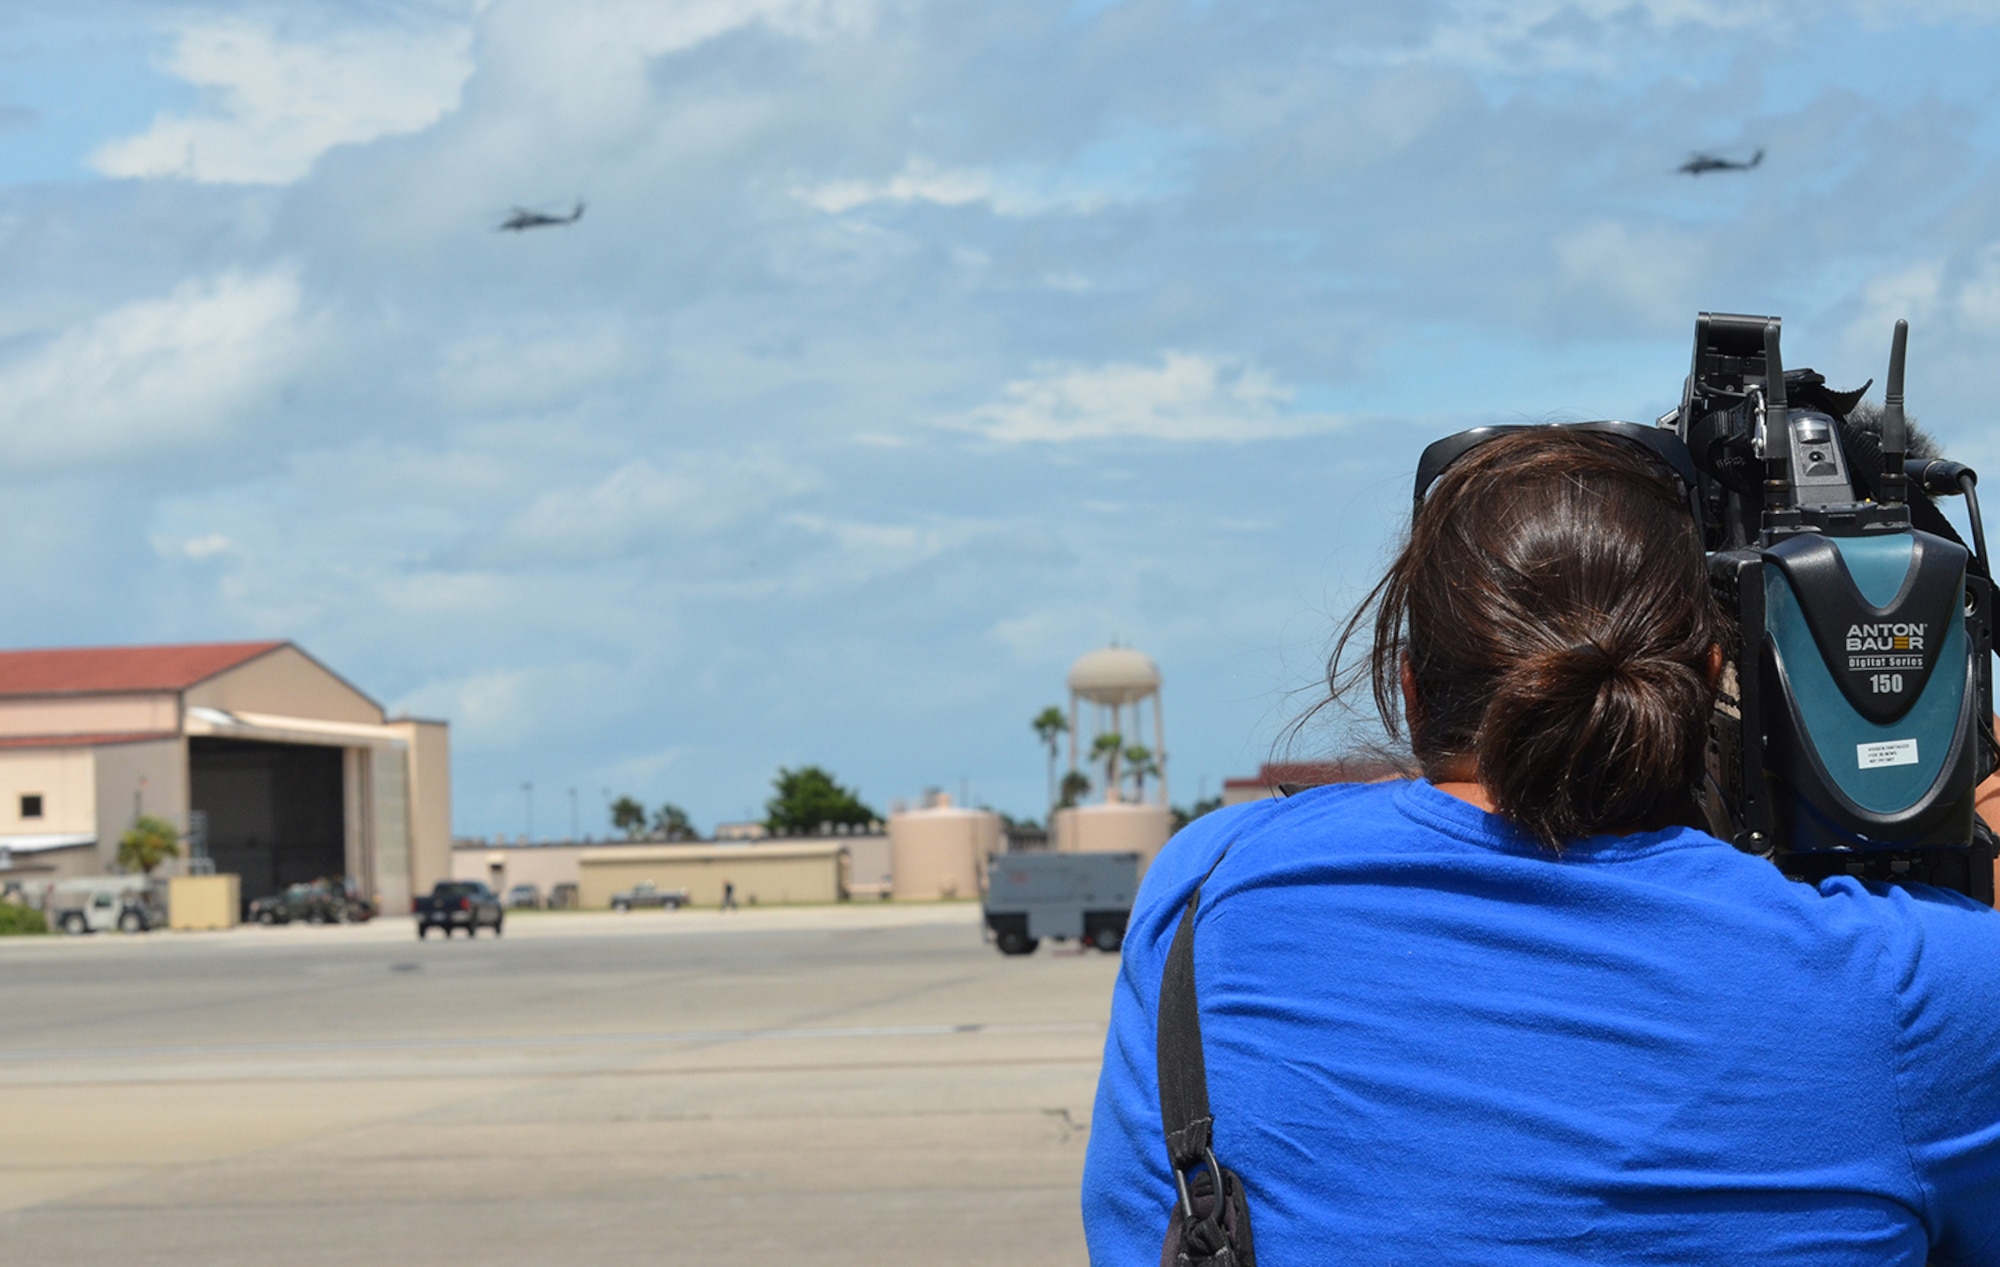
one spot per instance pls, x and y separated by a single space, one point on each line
1119 827
940 852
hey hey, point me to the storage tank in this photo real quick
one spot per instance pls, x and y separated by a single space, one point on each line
1117 827
940 851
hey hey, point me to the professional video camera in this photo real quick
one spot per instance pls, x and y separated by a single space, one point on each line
1855 714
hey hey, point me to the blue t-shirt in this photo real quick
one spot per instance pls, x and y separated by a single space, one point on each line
1430 1041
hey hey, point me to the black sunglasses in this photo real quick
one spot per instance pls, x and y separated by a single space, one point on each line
1662 444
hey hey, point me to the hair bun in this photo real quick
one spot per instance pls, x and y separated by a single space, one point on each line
1591 656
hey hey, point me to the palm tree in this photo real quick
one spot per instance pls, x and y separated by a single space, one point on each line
1107 748
672 823
628 816
1075 786
1140 764
1050 725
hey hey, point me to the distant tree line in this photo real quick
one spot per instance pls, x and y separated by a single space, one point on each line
803 802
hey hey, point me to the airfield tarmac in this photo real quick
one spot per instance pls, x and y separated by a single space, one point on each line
843 1085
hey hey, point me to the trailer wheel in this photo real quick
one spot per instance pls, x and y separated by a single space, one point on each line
423 930
1108 938
1015 942
73 923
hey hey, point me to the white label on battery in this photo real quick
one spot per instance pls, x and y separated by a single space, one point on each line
1874 756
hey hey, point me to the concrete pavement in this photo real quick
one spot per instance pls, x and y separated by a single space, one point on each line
856 1084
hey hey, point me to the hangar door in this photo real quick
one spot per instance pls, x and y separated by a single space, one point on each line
276 814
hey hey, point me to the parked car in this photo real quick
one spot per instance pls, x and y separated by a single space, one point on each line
646 894
98 904
563 896
321 902
524 897
456 904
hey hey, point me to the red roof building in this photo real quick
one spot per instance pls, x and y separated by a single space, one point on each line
272 766
1279 778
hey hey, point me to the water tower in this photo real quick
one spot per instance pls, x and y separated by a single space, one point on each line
1116 682
1108 691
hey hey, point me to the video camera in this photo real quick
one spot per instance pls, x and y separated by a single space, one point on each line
1855 713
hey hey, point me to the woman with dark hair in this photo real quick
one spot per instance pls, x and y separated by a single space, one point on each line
1521 1010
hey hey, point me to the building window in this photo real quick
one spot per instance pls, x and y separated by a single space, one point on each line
31 805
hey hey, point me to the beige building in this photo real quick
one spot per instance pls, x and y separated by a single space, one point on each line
501 868
764 874
272 766
549 863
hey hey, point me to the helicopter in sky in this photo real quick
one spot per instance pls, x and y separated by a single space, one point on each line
524 219
1703 162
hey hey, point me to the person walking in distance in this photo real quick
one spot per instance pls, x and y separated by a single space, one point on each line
728 895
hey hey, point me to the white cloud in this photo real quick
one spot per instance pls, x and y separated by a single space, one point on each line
924 181
1651 271
586 63
154 374
522 369
1186 397
274 105
1979 294
1588 36
206 546
1910 291
644 501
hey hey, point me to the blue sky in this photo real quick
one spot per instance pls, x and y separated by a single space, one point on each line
906 350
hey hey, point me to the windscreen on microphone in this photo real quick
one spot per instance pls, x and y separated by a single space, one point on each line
1864 424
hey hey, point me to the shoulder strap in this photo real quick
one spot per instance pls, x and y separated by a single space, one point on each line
1183 1072
1211 1222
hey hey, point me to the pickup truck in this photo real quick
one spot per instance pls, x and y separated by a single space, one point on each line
98 904
456 904
647 894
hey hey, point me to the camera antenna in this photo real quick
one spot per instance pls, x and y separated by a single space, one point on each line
1777 426
1895 429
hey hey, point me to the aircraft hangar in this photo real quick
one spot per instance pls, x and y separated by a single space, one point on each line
272 766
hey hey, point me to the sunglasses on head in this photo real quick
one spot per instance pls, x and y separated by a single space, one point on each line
1663 445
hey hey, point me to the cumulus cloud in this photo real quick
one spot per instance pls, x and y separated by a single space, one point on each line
1649 271
156 374
872 378
1581 36
587 63
510 369
921 180
647 501
1185 397
1979 293
275 105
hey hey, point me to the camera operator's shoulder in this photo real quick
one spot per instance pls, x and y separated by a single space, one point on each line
1243 832
1935 974
1929 936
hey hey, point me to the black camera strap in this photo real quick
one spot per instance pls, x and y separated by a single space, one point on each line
1210 1225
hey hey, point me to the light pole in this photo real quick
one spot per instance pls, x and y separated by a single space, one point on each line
572 815
528 794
